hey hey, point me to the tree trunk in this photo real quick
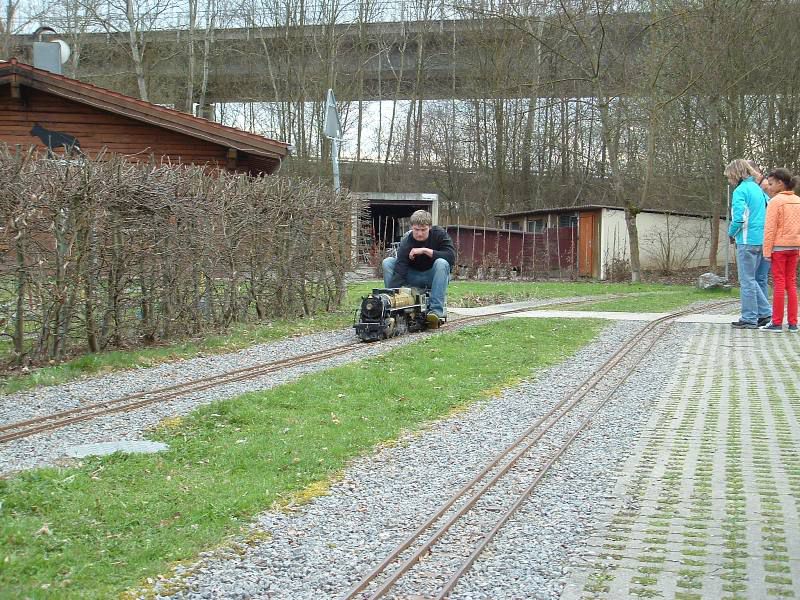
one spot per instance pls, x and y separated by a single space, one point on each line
717 185
633 239
22 290
618 183
136 50
89 277
189 107
7 28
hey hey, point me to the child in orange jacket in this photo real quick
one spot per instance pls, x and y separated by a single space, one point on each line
782 245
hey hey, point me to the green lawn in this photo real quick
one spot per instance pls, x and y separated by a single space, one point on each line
107 524
482 293
649 297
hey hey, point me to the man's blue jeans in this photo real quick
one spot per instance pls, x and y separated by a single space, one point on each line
436 278
750 266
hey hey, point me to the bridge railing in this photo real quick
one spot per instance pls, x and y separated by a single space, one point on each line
161 15
155 15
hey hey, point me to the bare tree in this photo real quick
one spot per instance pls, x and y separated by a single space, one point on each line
130 20
717 63
17 17
8 26
570 102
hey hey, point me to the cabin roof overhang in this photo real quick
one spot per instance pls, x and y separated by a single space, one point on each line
16 74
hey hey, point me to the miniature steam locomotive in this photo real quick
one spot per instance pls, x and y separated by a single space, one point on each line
388 312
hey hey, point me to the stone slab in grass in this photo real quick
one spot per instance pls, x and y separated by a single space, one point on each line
106 448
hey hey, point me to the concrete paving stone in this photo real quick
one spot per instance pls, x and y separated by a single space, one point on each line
707 504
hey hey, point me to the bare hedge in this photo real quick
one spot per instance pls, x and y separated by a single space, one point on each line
107 253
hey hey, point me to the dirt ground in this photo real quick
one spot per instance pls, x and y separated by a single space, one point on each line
686 276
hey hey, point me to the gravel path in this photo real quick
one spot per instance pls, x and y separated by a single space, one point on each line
51 448
323 548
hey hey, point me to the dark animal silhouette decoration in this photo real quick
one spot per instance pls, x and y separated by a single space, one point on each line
56 139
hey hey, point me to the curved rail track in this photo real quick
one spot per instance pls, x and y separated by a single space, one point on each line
54 421
60 419
471 498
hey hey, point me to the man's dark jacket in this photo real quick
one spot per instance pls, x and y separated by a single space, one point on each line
438 241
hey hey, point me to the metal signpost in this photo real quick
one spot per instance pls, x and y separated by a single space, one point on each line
332 129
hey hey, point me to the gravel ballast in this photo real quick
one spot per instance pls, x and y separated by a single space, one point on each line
321 549
52 448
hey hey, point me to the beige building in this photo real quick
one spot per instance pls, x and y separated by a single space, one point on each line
668 241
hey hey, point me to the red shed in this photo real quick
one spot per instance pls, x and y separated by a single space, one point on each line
40 108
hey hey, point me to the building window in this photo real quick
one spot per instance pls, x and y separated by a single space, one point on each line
515 226
568 220
536 226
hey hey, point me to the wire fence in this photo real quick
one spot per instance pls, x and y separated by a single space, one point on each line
488 253
484 252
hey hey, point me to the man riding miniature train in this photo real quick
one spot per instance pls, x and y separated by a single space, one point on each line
424 259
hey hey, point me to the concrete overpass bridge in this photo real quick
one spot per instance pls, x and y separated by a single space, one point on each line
477 58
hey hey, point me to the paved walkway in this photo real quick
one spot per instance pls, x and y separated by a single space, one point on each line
587 314
707 505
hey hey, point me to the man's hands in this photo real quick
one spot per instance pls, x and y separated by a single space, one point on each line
415 252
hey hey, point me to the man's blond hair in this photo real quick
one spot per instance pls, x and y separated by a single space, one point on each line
422 217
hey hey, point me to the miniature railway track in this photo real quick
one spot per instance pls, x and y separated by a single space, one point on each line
21 429
58 420
467 500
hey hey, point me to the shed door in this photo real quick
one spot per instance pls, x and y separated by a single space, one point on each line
587 244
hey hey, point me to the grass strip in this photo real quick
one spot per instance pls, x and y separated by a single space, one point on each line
659 301
480 293
460 293
240 336
105 525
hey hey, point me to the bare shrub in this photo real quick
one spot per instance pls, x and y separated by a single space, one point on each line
109 253
618 269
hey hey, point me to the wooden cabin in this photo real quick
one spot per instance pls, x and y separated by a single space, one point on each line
62 115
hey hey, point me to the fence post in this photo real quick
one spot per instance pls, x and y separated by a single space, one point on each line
547 245
558 249
508 253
